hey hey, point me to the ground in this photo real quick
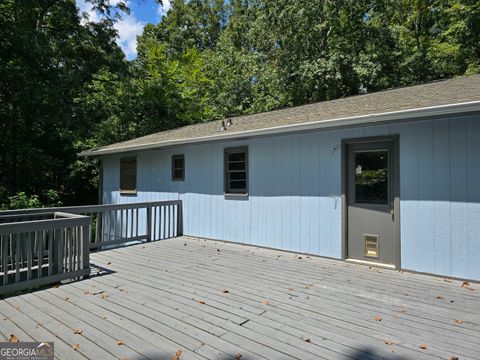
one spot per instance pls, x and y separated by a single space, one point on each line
219 300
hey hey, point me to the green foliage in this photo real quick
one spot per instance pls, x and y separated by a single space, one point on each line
65 85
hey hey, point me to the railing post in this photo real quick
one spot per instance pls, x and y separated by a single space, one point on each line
149 222
57 235
85 246
180 218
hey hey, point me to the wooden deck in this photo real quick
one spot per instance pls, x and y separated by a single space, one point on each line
216 300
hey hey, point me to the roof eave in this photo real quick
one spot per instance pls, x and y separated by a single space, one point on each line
459 108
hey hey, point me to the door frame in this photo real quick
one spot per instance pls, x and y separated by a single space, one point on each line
396 204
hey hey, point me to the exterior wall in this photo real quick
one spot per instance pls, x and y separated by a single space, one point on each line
294 200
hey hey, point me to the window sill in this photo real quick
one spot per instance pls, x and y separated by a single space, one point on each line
128 192
235 196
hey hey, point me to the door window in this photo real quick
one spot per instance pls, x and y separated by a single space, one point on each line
371 177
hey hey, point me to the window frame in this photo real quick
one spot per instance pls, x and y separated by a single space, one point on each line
122 189
173 168
226 186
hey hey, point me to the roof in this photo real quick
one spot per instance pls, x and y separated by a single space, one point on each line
359 109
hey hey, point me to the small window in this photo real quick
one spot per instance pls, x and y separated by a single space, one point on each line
128 175
236 171
178 167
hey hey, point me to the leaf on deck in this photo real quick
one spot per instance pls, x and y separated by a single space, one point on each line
307 340
465 284
76 346
378 318
77 331
177 355
120 342
13 339
423 346
104 296
388 342
448 281
457 321
201 302
439 297
402 310
265 302
225 291
109 263
238 356
66 298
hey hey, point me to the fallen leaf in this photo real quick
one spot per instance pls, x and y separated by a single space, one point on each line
439 297
104 316
13 339
109 263
300 258
16 306
388 342
454 358
67 299
104 296
177 355
423 346
466 284
75 346
265 302
238 356
308 340
402 310
77 331
448 281
378 318
225 291
120 342
456 321
201 302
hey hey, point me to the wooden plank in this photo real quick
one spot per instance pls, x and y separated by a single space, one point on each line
369 315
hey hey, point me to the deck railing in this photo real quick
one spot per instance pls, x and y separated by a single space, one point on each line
119 223
41 246
43 251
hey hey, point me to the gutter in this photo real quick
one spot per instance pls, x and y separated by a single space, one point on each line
456 109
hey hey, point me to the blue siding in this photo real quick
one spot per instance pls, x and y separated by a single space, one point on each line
294 200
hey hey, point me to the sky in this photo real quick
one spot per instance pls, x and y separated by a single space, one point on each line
141 13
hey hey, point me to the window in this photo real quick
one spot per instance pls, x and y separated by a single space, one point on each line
371 177
178 167
128 175
236 171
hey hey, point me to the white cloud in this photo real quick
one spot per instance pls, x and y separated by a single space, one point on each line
128 27
162 9
87 8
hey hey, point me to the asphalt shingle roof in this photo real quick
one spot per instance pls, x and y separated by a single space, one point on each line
445 92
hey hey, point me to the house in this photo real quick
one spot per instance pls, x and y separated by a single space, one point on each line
389 178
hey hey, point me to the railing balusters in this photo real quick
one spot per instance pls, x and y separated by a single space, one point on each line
29 256
5 240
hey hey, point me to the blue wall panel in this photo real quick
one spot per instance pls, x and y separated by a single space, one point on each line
294 200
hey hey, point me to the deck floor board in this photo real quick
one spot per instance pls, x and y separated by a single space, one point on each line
214 300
